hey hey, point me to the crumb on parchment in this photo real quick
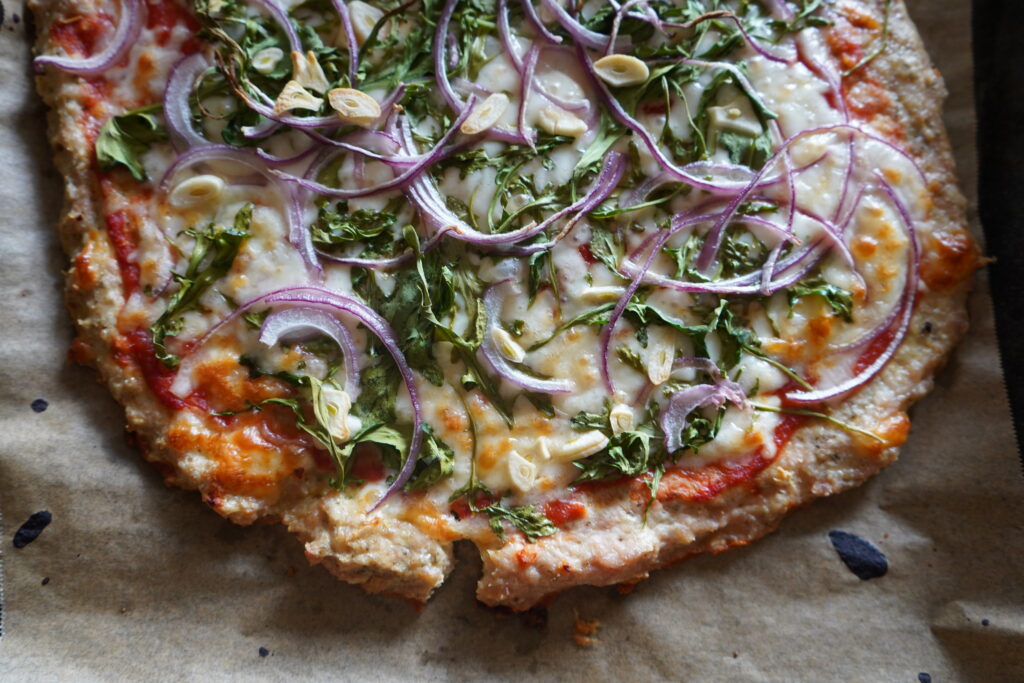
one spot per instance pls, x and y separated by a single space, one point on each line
583 631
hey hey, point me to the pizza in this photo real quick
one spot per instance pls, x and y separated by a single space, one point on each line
594 286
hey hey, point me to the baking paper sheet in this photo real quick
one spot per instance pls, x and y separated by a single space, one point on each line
136 580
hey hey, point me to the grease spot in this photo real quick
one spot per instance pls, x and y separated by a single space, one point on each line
33 526
860 557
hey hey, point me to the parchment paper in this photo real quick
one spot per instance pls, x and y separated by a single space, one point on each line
145 582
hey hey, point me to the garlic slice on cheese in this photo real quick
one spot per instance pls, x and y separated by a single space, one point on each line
294 96
354 106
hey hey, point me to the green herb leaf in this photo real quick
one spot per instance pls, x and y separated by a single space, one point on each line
838 299
212 256
123 139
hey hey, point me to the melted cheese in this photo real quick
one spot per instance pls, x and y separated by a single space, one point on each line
538 451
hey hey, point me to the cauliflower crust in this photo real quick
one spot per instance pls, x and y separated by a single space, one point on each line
614 543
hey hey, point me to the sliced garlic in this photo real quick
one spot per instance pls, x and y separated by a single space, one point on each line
621 418
294 96
595 295
200 190
583 445
354 106
338 404
507 346
731 118
485 114
267 59
620 71
659 362
557 121
521 472
308 73
364 17
543 449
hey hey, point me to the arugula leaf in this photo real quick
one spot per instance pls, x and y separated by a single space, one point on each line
436 461
838 299
340 227
745 149
605 248
221 246
598 315
631 358
378 392
528 519
123 139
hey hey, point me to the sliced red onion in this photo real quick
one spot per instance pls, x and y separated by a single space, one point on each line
129 27
675 415
177 111
426 197
581 34
534 19
287 322
714 239
902 323
401 180
525 86
440 67
494 358
280 15
350 38
297 233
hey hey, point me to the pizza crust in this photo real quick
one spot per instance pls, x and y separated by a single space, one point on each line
613 544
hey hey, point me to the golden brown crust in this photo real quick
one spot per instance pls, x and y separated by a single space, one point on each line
613 544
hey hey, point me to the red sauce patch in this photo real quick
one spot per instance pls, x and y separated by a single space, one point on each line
137 347
165 16
366 463
704 483
561 512
124 250
81 35
587 255
785 430
873 351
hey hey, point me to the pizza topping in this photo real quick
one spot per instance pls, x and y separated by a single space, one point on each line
610 230
621 71
129 26
354 107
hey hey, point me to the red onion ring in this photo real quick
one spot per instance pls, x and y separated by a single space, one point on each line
902 324
581 34
177 111
129 27
283 323
280 15
502 367
350 37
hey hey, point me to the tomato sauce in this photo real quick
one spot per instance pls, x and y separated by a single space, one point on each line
137 347
366 463
587 255
164 16
873 351
124 250
561 512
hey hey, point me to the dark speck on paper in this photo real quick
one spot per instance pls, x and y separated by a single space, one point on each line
31 529
985 622
40 404
924 678
46 580
861 557
264 652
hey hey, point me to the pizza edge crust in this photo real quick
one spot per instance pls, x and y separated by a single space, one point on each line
612 547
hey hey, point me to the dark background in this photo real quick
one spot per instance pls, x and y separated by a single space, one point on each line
999 88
